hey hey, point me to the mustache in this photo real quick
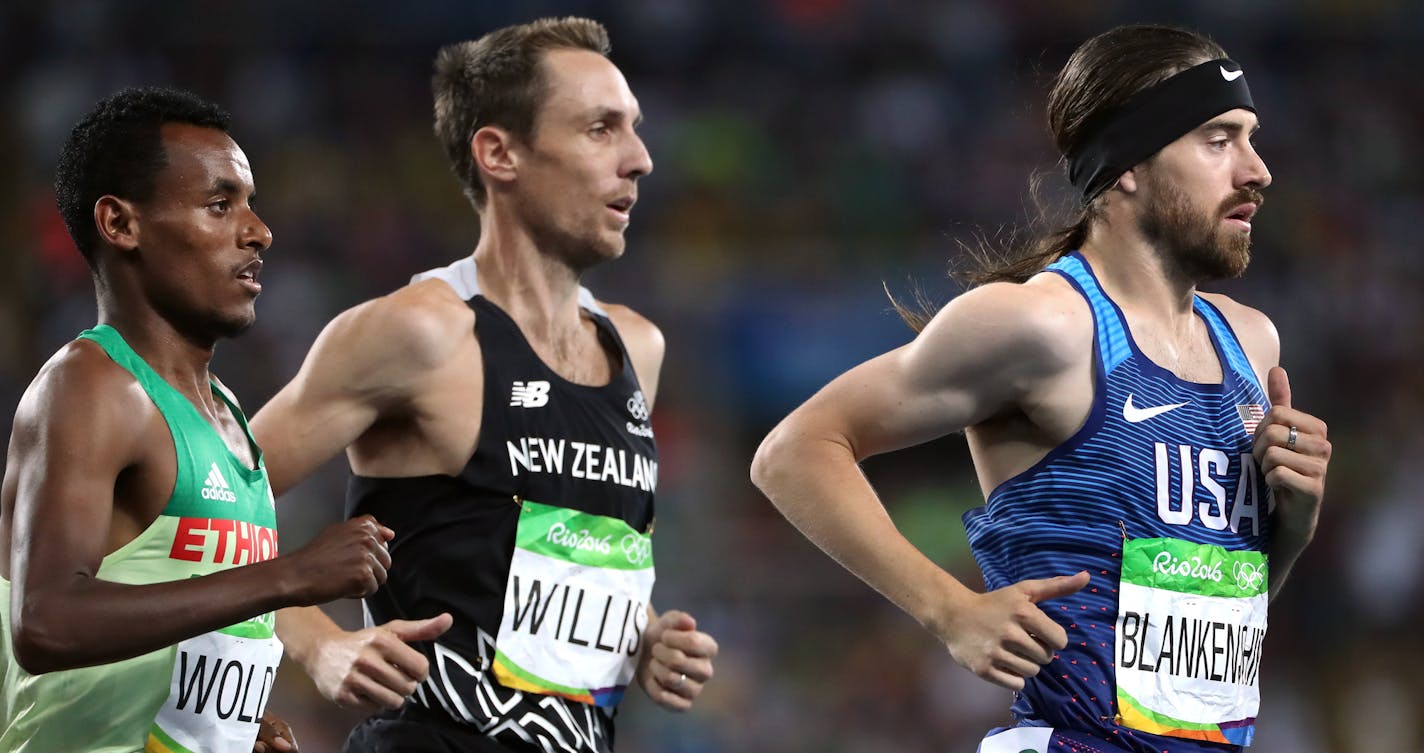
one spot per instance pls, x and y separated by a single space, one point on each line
1242 196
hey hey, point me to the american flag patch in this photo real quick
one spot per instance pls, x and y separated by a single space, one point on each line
1251 416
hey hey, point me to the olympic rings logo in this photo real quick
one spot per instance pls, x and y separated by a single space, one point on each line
1248 576
638 407
636 548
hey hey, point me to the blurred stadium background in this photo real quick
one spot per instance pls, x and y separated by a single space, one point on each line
806 152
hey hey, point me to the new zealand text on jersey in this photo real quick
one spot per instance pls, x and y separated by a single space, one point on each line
585 460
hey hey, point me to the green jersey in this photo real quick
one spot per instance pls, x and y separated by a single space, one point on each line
206 693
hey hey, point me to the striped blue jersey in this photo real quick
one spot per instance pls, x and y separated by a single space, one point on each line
1158 457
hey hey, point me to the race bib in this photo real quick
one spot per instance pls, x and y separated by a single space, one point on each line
575 605
221 682
1191 620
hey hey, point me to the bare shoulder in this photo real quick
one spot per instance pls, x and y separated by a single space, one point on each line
1042 325
1052 312
645 344
82 372
81 390
1253 328
417 326
636 330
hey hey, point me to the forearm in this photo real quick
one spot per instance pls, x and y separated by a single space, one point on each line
302 630
88 621
818 486
1286 547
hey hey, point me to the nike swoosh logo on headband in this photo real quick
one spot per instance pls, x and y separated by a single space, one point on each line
1230 75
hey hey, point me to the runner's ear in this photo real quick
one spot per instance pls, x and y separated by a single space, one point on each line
116 222
494 154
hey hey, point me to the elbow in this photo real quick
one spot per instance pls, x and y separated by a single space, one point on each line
39 647
796 458
769 459
34 659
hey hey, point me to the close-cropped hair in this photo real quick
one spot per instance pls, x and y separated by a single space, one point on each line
117 150
499 80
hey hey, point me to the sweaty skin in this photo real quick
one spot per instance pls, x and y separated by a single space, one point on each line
397 382
91 460
1011 365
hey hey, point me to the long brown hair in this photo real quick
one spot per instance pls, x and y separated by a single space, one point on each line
1099 77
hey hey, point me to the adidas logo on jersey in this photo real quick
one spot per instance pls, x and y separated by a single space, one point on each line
216 488
529 394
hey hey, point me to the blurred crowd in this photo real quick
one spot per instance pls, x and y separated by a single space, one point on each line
810 154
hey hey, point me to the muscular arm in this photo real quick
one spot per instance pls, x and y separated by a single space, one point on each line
988 352
75 437
369 364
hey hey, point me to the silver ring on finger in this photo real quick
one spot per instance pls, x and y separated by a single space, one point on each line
681 681
1292 437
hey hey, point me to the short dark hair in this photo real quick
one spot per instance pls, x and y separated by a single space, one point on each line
498 80
117 150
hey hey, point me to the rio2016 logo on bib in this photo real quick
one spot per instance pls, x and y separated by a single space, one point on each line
581 540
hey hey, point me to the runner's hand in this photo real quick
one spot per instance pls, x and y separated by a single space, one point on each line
345 561
1003 636
1296 474
374 668
274 736
676 660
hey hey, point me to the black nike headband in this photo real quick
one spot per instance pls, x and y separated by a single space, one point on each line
1154 118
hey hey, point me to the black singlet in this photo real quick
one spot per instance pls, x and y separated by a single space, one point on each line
455 534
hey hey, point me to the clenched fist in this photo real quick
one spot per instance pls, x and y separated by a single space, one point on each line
345 561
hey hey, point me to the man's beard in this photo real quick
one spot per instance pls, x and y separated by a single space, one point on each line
579 249
1200 245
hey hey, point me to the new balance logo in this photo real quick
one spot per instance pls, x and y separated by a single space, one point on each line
216 488
529 394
